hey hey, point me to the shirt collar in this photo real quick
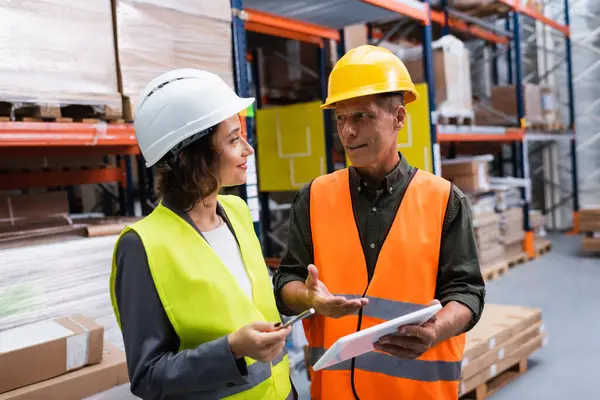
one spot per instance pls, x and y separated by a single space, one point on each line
395 178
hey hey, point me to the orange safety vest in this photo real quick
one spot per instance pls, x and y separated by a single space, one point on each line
404 280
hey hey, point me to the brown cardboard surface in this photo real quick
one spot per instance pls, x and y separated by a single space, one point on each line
589 220
76 385
492 254
591 244
501 366
473 367
469 183
21 209
51 357
498 324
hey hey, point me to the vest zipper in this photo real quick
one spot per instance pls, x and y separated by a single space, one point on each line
362 242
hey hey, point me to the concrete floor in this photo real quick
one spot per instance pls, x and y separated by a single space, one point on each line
566 286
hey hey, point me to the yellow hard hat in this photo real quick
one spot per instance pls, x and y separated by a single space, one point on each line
367 70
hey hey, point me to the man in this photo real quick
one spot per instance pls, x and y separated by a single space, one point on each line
377 240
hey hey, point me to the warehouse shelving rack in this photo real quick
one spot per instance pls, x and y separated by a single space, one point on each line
327 23
520 143
62 139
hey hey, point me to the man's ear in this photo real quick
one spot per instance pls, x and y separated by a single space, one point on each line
399 117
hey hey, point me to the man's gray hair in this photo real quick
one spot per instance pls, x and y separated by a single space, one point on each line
390 101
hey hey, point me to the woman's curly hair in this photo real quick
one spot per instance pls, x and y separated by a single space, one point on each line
190 172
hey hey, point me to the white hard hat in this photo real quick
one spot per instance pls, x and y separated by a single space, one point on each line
180 104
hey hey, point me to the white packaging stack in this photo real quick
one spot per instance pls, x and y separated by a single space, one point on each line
58 52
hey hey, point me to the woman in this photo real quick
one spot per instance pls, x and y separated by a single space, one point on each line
189 284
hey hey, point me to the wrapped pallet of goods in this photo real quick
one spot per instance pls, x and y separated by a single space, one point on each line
154 37
589 224
497 349
451 69
58 60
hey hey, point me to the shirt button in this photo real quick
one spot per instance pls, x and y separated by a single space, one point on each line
230 384
374 209
390 189
372 245
359 188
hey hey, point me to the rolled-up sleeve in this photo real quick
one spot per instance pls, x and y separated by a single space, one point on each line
157 369
299 253
459 274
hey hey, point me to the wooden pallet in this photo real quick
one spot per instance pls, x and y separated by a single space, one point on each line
482 11
516 259
33 112
498 382
495 271
542 246
551 127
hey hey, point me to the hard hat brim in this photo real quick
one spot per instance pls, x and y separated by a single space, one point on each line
410 93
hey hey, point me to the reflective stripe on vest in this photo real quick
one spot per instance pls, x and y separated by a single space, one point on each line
257 374
187 272
404 280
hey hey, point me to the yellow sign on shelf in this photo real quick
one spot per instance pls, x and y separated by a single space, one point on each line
291 146
414 139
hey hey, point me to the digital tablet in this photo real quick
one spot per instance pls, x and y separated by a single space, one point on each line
362 342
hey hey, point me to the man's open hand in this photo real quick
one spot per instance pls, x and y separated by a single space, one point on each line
411 341
326 303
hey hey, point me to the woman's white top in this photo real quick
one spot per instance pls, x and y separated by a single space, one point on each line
223 243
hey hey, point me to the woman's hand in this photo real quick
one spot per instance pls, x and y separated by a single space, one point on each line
260 341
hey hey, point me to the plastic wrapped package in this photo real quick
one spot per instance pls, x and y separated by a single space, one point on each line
58 52
153 39
452 74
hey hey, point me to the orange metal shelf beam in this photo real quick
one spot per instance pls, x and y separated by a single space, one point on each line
30 180
287 34
530 12
510 136
286 25
21 134
438 16
521 7
419 15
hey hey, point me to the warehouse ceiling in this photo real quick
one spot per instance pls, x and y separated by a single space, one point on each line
333 14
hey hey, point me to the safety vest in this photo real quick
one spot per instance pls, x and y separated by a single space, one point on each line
203 299
404 280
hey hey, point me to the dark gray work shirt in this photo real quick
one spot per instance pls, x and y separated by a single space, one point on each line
459 275
157 369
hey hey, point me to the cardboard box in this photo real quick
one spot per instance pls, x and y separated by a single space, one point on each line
589 220
58 52
591 243
470 174
53 347
21 209
504 100
76 385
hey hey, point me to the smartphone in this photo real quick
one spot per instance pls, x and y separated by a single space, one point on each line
308 313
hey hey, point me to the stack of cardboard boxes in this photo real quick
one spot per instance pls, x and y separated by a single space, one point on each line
486 222
589 223
497 348
512 233
63 358
541 107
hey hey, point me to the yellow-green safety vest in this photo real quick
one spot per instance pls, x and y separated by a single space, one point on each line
203 299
